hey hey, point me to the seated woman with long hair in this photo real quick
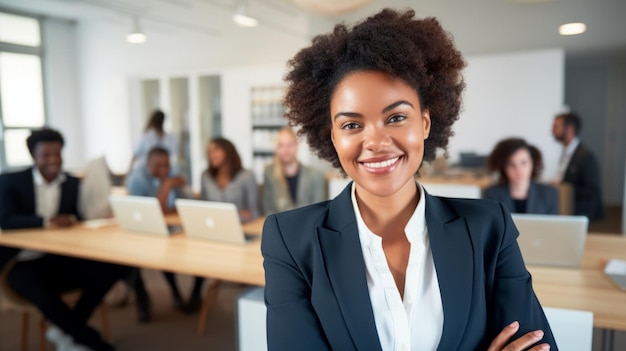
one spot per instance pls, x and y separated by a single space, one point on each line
519 166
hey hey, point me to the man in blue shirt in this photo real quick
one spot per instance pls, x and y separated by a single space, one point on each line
158 179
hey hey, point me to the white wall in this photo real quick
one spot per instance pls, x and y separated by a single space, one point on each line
107 65
514 94
62 93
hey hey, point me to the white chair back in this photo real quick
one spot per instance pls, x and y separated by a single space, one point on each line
95 188
572 329
251 324
464 191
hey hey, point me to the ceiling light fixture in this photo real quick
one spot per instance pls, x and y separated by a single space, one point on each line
242 18
136 36
572 28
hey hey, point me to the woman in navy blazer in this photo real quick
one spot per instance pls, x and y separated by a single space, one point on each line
375 100
519 165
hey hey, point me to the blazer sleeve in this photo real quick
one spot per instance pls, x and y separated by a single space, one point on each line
491 193
12 217
514 298
553 200
292 324
69 197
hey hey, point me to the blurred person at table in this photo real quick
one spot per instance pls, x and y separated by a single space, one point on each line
287 183
43 196
519 166
154 135
578 167
227 181
158 179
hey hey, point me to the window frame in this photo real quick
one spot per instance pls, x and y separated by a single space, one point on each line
27 50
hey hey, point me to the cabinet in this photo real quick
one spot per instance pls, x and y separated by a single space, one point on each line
266 112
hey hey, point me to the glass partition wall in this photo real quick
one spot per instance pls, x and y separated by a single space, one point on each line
192 105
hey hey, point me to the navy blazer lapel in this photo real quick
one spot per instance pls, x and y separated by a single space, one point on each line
28 191
67 201
452 252
532 202
343 258
505 196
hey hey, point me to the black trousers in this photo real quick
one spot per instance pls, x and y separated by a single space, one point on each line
42 281
6 254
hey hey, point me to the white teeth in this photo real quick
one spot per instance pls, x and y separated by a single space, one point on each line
382 164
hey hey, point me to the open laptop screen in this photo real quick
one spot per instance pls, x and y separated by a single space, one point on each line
552 240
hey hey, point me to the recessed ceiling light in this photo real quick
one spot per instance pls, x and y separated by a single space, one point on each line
244 21
242 17
572 28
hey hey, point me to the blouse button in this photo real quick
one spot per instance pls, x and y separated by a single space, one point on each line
409 298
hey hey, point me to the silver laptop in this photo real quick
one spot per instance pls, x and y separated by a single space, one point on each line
210 220
551 240
140 214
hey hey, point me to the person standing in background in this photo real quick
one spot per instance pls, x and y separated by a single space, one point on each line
154 135
578 167
287 183
519 166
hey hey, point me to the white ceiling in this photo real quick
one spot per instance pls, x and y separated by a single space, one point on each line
478 26
488 26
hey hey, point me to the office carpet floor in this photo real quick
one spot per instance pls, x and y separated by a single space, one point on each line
172 330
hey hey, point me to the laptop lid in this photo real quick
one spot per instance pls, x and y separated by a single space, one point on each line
210 220
139 214
551 240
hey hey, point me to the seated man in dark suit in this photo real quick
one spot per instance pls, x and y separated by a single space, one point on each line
45 196
578 167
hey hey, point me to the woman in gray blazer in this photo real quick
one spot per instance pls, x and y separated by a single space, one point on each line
519 165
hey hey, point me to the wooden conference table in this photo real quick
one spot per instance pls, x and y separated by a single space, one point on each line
585 288
176 253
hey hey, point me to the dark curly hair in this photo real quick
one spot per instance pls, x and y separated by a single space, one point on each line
230 154
157 117
419 52
502 152
44 135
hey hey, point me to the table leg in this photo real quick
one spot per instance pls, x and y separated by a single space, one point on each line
210 298
608 338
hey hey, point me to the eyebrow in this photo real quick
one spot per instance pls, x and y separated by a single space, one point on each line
385 110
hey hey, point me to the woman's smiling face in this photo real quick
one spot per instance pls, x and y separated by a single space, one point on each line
378 130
